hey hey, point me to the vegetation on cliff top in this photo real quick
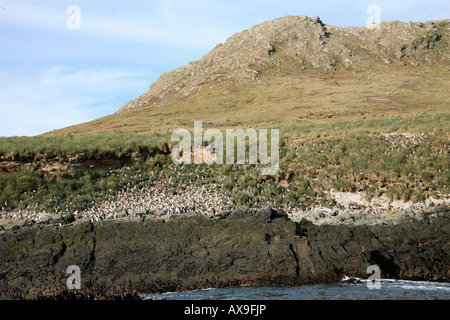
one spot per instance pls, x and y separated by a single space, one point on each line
404 158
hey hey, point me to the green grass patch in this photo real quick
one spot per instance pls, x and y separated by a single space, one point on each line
403 158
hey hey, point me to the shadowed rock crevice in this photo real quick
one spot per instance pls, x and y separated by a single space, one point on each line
386 263
297 268
59 254
91 262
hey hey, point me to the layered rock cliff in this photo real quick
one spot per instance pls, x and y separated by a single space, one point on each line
138 255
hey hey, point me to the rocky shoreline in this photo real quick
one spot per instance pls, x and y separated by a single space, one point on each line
120 258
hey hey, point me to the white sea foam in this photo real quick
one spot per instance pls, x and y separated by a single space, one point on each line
349 289
418 285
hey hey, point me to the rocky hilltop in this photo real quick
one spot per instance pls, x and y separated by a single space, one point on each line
288 45
279 71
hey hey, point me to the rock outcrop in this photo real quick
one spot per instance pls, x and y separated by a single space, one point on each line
123 257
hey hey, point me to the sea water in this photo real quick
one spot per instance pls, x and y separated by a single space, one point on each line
386 290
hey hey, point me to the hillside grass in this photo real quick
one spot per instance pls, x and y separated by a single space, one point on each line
404 158
294 97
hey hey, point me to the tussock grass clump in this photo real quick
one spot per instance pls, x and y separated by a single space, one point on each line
82 147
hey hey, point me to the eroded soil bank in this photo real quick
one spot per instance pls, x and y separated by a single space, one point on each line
120 258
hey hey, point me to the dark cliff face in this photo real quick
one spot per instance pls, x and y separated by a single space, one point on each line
129 256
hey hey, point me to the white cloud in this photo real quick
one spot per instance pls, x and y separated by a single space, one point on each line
57 98
154 22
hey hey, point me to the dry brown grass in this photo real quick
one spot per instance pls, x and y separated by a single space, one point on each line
310 97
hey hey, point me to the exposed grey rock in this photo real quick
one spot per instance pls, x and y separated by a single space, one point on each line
267 214
125 256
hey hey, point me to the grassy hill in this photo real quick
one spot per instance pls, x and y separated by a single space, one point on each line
296 69
360 111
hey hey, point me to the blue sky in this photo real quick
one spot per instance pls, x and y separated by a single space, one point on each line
53 75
